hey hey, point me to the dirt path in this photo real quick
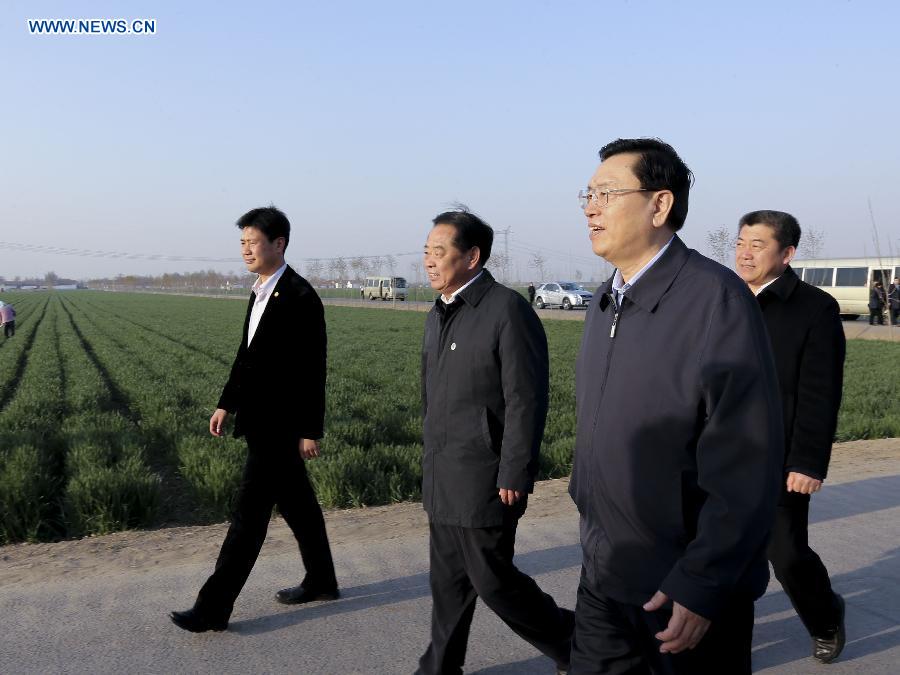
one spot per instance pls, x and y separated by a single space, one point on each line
139 551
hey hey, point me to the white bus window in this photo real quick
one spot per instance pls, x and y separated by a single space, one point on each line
819 276
851 276
798 271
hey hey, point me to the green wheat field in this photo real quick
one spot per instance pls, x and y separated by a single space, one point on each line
105 400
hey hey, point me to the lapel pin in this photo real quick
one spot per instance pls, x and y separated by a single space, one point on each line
453 347
276 294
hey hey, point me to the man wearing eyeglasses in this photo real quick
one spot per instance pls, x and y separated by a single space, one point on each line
678 447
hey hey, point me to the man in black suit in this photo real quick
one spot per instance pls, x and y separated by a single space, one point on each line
276 391
485 380
876 304
893 298
804 326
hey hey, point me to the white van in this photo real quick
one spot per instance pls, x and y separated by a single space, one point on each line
848 280
384 288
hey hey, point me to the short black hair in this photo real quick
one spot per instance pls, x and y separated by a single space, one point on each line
784 225
658 168
270 221
471 231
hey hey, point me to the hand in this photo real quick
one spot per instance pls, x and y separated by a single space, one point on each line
309 448
217 421
805 485
509 497
685 629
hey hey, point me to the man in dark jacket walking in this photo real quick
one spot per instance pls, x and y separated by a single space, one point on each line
276 389
485 379
804 325
893 298
876 304
679 441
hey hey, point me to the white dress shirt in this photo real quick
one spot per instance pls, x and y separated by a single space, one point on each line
263 293
449 301
766 285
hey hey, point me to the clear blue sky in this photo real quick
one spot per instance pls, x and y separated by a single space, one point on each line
363 120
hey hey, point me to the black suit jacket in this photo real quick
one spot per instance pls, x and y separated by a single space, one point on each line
485 382
808 343
277 383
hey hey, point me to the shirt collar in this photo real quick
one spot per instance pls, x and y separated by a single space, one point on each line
452 298
262 290
618 282
766 285
783 286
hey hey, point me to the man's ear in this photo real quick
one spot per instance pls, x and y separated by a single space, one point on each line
473 257
788 254
662 206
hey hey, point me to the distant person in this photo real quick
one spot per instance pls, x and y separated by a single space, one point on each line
678 447
531 292
8 319
804 325
876 304
277 392
893 299
485 379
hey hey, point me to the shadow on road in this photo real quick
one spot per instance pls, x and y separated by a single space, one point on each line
855 498
873 617
391 591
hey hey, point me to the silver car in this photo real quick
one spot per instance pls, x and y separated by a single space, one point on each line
565 294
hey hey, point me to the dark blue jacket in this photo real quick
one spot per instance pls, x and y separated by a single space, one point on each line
679 444
485 381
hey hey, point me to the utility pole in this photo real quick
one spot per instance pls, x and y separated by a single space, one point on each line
505 234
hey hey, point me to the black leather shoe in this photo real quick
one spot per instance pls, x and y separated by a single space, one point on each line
827 648
299 595
197 623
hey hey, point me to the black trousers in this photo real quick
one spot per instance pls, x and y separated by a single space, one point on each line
274 475
876 315
468 563
9 329
616 638
895 315
798 568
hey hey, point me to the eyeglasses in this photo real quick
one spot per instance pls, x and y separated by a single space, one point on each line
588 195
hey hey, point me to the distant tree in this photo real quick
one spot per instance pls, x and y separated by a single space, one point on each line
358 265
500 262
375 265
720 243
51 278
416 269
538 263
341 266
332 270
812 242
315 269
391 263
578 275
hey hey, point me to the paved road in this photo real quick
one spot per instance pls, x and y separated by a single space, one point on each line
77 620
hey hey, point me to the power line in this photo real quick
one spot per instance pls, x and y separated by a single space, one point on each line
94 253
